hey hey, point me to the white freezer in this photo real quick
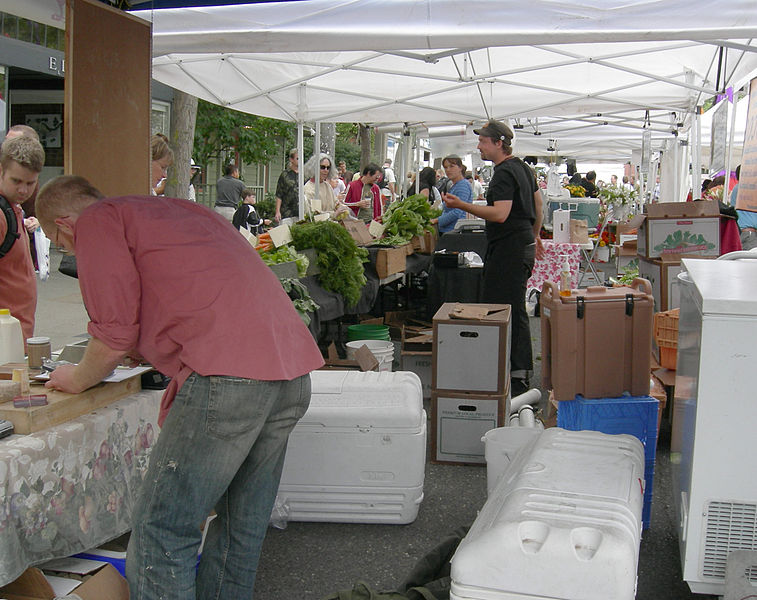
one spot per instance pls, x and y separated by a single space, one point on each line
563 522
359 453
714 483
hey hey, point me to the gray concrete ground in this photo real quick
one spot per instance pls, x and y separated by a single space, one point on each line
307 561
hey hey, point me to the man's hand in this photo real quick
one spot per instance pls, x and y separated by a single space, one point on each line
539 249
364 203
31 224
277 216
64 379
453 201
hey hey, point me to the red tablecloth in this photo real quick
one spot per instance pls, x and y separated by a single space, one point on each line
550 267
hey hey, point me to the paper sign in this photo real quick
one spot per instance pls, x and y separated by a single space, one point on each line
280 235
747 195
376 229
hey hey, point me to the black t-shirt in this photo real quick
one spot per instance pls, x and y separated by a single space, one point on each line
512 180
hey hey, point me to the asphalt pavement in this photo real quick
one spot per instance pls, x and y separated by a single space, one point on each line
307 561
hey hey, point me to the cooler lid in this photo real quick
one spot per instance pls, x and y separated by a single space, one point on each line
612 294
726 287
355 400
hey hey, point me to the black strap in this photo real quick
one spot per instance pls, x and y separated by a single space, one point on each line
12 234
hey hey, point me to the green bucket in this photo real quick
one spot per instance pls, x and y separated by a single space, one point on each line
367 332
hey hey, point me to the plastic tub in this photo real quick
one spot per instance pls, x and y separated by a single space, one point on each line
381 349
367 332
500 447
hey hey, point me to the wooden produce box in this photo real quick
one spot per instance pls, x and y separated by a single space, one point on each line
424 244
62 407
391 260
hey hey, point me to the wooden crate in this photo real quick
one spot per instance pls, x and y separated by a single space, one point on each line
666 337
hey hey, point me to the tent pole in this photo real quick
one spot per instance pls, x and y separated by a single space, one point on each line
696 186
301 91
317 152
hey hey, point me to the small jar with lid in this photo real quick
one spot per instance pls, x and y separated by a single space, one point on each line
37 349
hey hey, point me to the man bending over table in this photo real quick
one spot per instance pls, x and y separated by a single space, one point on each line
165 279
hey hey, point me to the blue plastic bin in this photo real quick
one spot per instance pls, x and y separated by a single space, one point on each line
633 415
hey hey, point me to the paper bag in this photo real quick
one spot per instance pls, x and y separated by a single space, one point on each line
579 231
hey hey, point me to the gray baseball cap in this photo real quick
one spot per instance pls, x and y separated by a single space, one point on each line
496 130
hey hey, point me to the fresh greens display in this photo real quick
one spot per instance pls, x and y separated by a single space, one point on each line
338 257
405 218
300 298
286 254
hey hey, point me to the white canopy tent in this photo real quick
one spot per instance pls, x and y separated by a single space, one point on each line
588 74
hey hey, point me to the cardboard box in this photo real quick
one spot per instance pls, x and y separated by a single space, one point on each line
424 244
105 584
358 231
390 261
676 228
662 273
471 351
420 364
460 420
364 360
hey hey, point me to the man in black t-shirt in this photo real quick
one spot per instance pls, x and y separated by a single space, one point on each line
513 220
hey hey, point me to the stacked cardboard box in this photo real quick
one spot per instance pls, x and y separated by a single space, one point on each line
470 378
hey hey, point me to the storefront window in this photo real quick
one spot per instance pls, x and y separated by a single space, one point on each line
30 31
24 30
10 25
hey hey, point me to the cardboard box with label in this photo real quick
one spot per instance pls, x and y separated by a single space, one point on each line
674 228
459 422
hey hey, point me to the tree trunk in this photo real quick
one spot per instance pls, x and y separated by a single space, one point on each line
183 117
328 139
365 146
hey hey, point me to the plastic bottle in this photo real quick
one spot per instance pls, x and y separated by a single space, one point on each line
565 283
11 338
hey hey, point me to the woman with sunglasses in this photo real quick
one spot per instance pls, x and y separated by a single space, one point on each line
326 201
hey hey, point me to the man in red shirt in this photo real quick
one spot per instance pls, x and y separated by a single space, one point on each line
168 279
21 161
363 194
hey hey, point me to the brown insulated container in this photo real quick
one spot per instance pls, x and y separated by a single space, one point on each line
597 341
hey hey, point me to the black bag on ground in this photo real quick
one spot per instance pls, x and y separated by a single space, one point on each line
429 579
68 265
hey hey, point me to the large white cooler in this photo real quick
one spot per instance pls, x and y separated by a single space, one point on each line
359 453
564 522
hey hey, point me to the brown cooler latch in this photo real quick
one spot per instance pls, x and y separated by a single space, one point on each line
629 305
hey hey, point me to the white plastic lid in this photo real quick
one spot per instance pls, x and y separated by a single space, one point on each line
38 340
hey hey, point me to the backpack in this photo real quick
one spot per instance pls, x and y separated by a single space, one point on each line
12 234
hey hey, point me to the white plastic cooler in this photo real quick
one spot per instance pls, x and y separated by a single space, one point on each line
359 453
564 522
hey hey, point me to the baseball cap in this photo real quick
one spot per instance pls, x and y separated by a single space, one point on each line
496 130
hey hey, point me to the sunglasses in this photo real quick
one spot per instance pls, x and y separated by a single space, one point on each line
325 167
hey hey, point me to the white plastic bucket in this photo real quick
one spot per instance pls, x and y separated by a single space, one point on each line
382 350
501 445
11 338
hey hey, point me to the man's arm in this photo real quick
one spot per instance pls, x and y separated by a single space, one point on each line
497 213
539 212
98 361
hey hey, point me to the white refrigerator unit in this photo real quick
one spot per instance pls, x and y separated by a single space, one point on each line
715 475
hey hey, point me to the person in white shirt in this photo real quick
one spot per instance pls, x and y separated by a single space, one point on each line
390 178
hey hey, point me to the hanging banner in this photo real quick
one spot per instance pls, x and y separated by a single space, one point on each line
719 137
646 151
747 196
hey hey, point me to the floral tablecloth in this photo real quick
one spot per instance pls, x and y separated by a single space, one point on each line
72 487
550 267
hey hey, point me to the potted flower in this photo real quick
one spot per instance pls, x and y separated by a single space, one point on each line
620 200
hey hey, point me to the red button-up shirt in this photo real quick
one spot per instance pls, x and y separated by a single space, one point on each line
177 283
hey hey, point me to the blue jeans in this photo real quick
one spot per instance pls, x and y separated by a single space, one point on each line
222 446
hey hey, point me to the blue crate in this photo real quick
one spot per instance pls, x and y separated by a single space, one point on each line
117 559
634 415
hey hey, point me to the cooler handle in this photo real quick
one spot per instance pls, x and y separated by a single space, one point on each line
639 283
550 290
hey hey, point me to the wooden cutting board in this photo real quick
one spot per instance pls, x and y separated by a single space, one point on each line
62 407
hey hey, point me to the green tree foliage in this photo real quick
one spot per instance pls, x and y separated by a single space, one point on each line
219 129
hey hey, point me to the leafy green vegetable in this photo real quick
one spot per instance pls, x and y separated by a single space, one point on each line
301 298
338 257
286 254
405 218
